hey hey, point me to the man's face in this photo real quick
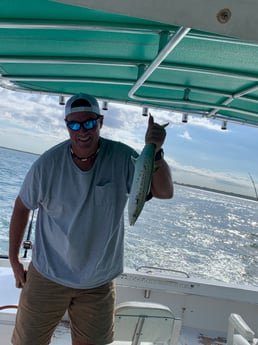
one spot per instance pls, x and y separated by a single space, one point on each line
85 141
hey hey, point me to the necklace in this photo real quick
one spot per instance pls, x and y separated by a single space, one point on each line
84 159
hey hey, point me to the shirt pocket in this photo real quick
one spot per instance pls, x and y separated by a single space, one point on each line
105 195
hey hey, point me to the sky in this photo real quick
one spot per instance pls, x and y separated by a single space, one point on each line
198 152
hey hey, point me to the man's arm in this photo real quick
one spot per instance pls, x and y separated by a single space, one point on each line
18 225
162 184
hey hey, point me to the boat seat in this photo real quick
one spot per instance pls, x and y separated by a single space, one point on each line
137 322
239 333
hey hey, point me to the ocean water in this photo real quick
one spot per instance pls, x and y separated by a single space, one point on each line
204 234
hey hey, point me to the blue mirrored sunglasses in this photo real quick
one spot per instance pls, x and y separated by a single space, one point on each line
76 125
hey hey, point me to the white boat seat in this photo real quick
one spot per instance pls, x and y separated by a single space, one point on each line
239 333
137 322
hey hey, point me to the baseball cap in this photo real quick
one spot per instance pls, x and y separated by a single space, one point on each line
81 102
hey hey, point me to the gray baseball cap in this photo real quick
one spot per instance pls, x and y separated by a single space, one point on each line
91 104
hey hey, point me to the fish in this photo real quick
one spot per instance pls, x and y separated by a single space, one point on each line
143 171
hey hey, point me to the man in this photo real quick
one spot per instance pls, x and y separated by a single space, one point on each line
80 189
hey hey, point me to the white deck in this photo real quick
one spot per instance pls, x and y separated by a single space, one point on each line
189 336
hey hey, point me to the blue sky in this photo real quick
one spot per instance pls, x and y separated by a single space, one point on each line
199 152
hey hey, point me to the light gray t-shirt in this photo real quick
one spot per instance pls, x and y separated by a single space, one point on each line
80 225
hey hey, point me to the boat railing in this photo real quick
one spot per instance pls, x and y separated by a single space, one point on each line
150 269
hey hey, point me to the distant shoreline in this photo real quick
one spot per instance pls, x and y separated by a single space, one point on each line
11 149
217 191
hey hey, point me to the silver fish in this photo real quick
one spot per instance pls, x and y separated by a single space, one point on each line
144 168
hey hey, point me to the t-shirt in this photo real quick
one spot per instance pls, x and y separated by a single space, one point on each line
79 231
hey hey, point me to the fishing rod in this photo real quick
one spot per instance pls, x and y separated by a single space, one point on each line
27 244
255 190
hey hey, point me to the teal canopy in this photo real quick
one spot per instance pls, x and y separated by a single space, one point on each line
58 48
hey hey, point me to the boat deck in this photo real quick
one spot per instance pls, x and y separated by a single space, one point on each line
61 336
189 336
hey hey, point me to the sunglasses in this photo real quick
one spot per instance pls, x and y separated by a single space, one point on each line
88 124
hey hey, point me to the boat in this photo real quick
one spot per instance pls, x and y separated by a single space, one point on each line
167 55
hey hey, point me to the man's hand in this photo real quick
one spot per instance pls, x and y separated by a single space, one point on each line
19 274
155 133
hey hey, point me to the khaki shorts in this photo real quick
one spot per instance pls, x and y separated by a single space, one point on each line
43 303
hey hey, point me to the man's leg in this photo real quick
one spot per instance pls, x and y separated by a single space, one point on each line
42 305
92 315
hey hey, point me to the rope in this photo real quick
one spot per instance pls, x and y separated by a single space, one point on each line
9 306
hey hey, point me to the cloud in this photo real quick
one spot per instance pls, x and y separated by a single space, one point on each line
126 124
185 135
203 122
33 116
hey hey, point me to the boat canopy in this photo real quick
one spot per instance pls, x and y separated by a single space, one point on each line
60 48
